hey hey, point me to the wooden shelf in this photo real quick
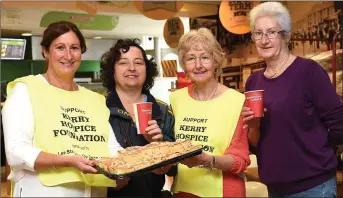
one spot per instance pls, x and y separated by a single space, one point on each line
232 76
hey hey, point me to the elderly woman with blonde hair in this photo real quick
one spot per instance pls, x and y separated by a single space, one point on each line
303 117
208 113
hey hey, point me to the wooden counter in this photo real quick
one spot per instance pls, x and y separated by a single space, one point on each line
252 175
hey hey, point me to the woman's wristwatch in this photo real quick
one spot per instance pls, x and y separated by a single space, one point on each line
211 165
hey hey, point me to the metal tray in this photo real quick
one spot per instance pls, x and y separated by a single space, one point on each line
150 168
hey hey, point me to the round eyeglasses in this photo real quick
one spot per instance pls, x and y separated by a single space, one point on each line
271 34
204 59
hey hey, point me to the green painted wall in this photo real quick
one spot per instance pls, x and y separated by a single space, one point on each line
89 66
13 69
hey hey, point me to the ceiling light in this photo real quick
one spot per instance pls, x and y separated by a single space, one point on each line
26 34
97 37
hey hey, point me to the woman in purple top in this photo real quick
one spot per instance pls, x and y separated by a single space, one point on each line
303 114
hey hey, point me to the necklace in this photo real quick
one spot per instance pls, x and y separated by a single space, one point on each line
276 72
209 97
47 78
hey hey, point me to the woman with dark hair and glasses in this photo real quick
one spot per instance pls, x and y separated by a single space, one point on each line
54 128
303 118
128 75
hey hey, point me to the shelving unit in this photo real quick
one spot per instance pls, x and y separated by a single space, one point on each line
232 76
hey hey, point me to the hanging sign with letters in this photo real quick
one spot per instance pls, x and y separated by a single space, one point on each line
173 30
82 21
234 15
159 10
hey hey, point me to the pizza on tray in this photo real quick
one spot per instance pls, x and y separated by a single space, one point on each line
136 158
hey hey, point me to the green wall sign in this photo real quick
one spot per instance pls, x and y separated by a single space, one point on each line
83 21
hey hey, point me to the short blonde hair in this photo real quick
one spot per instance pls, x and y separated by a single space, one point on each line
273 9
203 37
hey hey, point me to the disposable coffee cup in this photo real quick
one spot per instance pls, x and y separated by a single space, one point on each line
143 113
255 102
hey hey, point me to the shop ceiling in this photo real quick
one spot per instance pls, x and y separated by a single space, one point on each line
25 16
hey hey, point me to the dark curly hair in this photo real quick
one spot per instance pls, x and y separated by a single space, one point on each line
109 59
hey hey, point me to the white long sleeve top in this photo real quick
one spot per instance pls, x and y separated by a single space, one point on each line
18 125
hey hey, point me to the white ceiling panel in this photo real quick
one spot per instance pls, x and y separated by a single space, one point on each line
27 18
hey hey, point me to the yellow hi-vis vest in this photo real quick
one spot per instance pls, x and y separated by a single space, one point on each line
68 123
208 123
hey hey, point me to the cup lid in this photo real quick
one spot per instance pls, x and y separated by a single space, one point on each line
142 103
253 91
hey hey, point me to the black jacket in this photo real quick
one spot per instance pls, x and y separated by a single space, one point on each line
149 184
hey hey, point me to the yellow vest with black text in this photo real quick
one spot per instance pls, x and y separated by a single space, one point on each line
208 123
68 123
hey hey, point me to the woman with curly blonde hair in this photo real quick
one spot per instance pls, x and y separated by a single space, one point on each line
208 113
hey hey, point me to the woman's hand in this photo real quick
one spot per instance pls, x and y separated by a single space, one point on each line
154 133
197 160
120 183
249 119
82 164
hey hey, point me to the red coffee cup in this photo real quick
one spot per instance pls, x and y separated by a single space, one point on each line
255 102
143 113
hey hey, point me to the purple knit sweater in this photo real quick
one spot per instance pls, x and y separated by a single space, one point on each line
304 116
